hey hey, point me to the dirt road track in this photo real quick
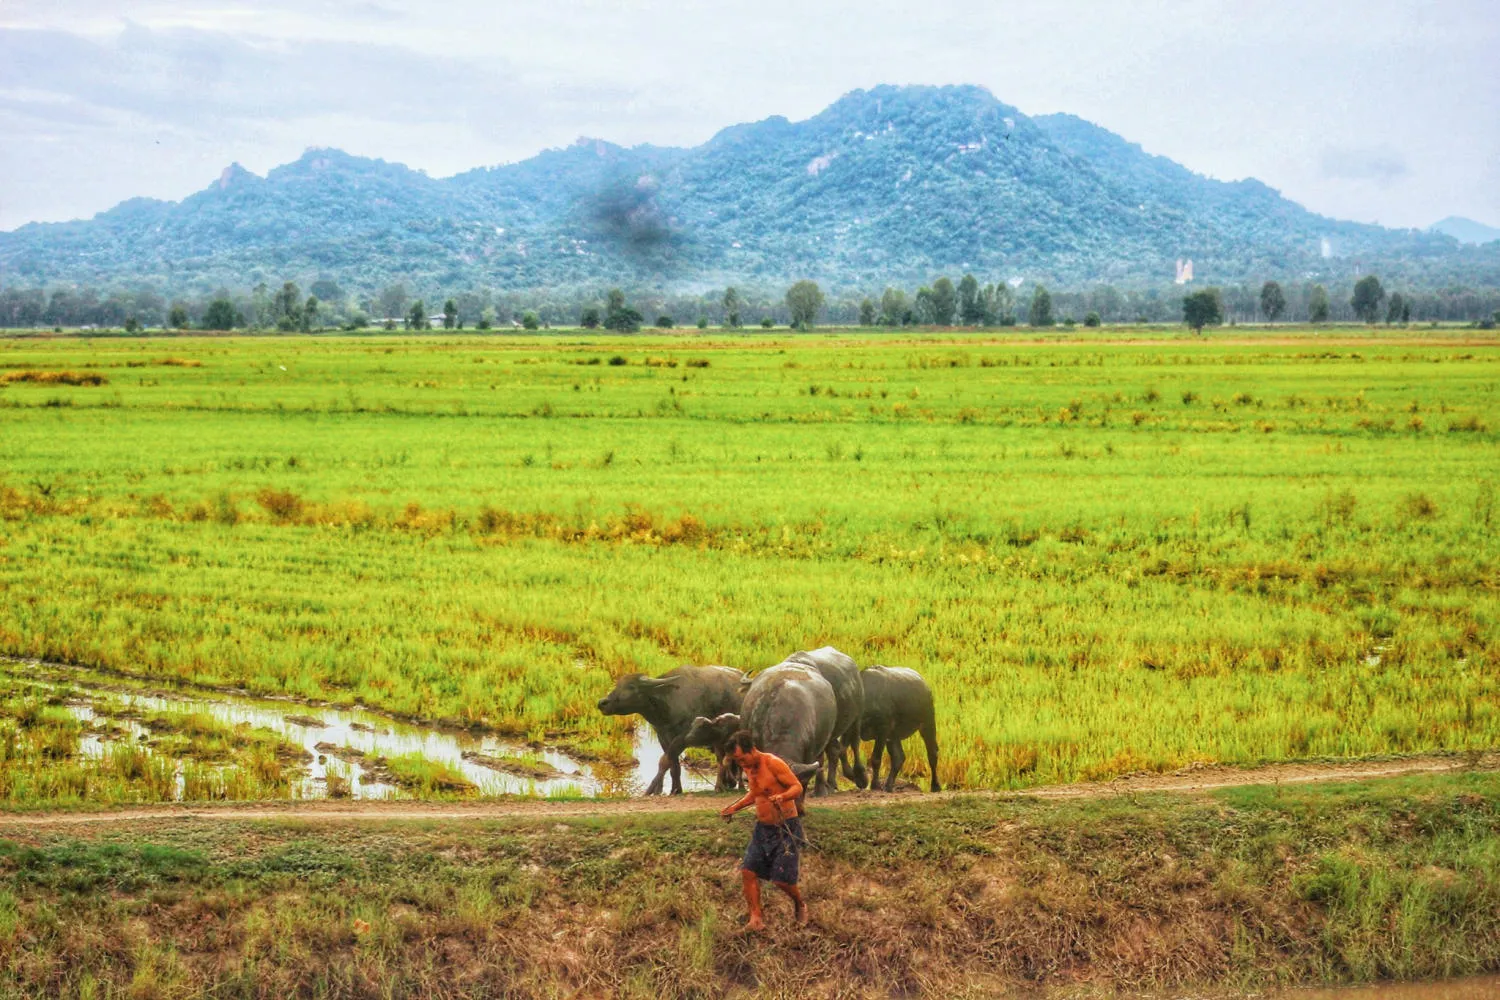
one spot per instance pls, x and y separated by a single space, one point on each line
1189 780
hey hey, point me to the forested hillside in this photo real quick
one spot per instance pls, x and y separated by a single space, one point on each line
894 184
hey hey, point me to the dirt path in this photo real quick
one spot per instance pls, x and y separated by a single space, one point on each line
1188 780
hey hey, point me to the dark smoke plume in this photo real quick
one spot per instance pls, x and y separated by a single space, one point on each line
627 210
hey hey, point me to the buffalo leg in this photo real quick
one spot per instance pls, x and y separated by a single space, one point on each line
831 757
729 774
929 739
898 759
671 756
820 780
875 754
860 778
858 775
661 774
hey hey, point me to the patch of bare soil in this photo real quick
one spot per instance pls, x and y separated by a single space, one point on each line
1198 778
1207 777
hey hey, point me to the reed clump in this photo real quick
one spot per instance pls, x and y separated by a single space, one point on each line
54 378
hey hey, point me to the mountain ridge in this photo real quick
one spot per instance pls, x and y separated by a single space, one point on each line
887 184
1465 230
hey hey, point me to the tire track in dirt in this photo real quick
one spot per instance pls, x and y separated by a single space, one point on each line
1186 781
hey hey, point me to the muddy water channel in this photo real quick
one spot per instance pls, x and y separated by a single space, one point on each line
347 750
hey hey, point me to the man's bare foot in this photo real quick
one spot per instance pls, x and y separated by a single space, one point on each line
801 912
753 926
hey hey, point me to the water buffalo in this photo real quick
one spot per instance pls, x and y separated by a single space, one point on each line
898 703
790 711
670 703
714 734
842 673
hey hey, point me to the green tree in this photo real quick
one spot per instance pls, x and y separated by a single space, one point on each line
1317 304
1092 319
619 316
1272 301
309 317
1397 307
177 319
805 300
1002 305
286 307
260 307
922 306
1368 295
867 313
450 314
529 320
665 322
393 301
732 304
892 307
220 315
589 318
1040 313
971 310
944 302
1107 301
487 318
416 318
327 290
1202 309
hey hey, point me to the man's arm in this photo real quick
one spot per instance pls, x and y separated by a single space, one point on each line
735 807
785 776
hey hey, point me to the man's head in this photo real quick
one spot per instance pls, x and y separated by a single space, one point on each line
742 747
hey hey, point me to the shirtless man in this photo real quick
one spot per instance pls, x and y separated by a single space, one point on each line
776 844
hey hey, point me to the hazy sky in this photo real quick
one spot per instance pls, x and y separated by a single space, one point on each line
1376 110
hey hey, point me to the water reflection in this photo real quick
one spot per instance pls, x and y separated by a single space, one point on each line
345 741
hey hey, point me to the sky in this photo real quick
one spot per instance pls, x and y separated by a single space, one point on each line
1381 111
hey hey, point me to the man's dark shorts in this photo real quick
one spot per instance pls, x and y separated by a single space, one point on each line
775 851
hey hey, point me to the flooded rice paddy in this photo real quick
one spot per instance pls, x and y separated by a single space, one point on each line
344 752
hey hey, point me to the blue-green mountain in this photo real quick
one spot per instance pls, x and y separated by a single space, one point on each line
891 184
1465 230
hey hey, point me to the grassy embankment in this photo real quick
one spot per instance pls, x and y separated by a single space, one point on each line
965 897
1105 556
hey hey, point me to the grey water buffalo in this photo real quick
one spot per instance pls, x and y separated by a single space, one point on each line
841 672
670 703
714 734
898 702
790 710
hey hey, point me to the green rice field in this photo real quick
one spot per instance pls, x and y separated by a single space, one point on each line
1106 554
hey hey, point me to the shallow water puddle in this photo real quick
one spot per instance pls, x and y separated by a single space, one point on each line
346 741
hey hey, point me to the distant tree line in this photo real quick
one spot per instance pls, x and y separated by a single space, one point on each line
943 302
1369 303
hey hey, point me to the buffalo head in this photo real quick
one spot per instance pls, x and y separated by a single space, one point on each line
713 733
634 693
